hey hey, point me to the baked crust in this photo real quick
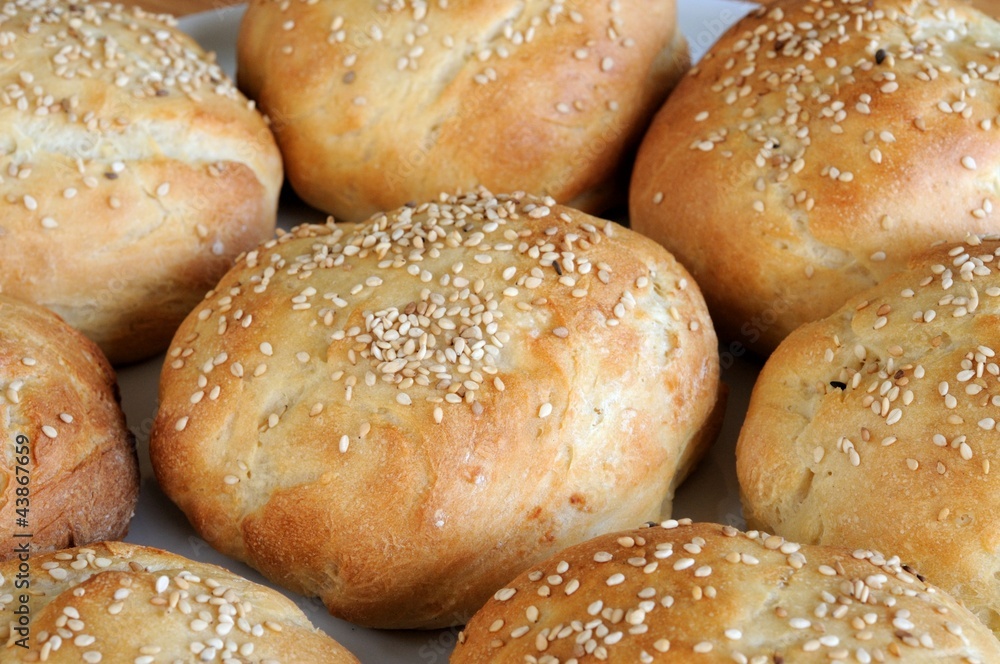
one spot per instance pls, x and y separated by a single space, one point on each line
376 104
707 593
865 429
814 164
400 415
58 391
129 184
126 603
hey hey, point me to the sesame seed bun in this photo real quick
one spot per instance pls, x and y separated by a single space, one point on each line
875 427
707 593
59 400
825 144
134 172
115 603
376 104
400 415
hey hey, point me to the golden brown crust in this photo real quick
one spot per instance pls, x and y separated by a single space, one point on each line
708 593
375 105
58 391
865 429
566 403
138 604
818 164
165 173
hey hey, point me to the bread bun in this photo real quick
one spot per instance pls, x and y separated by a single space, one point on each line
400 415
706 593
133 172
821 145
65 441
376 104
117 603
874 427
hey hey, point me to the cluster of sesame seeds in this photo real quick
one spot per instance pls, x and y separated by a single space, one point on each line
637 588
826 72
219 618
354 35
504 256
883 372
53 45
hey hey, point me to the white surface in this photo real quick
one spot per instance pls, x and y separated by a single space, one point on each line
710 494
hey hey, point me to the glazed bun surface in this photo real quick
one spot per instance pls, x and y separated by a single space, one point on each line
132 171
63 429
400 415
707 593
876 426
376 104
822 145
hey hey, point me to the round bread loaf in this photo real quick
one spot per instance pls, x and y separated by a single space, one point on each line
400 415
132 171
684 592
68 467
876 427
823 144
378 103
116 603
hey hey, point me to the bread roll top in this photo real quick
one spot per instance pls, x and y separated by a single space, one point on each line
876 426
379 103
68 468
117 602
133 171
683 592
822 145
509 373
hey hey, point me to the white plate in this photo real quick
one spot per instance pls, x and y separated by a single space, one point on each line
710 494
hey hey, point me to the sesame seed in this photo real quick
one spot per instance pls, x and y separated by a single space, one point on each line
616 579
50 431
683 564
969 163
545 410
607 63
